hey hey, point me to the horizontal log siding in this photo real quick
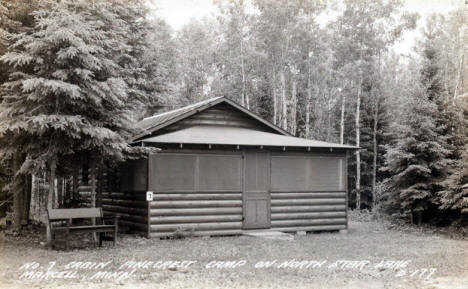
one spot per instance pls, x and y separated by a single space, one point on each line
196 214
308 211
216 213
131 207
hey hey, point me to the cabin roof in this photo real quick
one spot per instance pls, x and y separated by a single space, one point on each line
220 135
151 124
237 136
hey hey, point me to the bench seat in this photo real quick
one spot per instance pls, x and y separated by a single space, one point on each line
68 215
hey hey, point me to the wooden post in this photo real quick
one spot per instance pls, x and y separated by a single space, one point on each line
53 165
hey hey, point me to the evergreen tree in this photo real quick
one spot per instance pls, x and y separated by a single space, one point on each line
417 160
67 97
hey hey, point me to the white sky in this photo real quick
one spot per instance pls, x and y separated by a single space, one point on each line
180 12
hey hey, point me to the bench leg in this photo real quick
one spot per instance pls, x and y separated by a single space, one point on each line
101 235
52 240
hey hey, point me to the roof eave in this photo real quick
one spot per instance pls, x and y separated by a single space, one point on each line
249 145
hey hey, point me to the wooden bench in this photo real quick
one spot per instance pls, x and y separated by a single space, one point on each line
61 223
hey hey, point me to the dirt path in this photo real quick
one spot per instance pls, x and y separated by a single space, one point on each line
326 260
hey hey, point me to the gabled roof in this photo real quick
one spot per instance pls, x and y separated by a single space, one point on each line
156 122
205 134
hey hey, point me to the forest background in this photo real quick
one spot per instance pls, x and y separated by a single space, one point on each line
75 76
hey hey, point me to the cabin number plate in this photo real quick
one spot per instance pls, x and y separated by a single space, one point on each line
149 196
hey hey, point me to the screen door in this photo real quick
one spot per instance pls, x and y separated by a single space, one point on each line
256 194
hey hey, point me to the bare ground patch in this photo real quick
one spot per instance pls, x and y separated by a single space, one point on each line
367 241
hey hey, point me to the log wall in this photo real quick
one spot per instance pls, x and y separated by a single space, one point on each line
196 213
132 208
127 199
308 211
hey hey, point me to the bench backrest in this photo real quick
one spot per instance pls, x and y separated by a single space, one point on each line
64 214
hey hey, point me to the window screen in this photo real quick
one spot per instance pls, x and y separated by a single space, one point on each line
219 172
174 172
307 173
325 173
195 172
289 173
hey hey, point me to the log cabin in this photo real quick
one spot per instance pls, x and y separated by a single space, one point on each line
222 170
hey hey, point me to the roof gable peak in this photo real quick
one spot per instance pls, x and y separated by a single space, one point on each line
154 123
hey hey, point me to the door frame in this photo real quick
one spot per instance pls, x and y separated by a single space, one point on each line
268 190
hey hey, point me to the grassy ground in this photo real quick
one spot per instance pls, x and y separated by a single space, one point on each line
367 243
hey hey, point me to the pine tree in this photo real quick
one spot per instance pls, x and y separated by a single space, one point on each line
417 160
67 99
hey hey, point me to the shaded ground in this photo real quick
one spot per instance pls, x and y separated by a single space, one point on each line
367 243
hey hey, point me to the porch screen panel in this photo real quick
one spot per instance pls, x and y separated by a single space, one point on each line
289 173
325 174
219 172
174 172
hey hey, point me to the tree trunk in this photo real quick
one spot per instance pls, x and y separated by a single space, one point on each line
374 139
283 101
27 199
342 121
308 104
18 194
53 165
245 99
457 79
358 134
275 101
294 108
329 116
375 151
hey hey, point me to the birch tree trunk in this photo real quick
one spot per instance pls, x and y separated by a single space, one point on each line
308 104
283 101
53 165
245 99
294 107
374 139
459 72
328 116
342 121
375 151
358 134
275 101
